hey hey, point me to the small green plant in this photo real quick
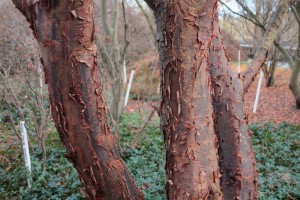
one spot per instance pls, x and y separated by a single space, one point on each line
146 161
59 181
277 150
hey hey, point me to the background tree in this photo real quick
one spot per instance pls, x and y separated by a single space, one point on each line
22 92
284 38
185 33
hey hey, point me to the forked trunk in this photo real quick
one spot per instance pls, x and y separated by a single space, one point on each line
237 162
184 36
65 32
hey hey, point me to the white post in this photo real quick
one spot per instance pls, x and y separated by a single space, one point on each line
269 64
239 62
258 91
158 88
40 77
129 87
26 151
124 71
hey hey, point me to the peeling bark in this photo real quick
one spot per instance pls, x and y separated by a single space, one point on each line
184 37
65 32
237 161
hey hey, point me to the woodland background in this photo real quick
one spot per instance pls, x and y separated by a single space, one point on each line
23 96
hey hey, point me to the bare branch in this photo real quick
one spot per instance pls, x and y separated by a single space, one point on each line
105 56
141 130
147 18
106 26
285 54
255 21
125 33
295 13
268 40
115 20
250 13
151 3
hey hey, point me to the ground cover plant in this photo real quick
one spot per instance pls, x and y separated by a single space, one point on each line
277 149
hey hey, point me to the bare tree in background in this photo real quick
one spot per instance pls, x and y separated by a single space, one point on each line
22 93
112 52
291 59
205 129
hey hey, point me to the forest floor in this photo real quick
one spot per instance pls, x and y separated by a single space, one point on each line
276 104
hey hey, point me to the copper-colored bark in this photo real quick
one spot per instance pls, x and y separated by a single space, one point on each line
184 36
65 32
237 162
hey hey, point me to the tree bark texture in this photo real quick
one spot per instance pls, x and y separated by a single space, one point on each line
237 161
184 37
65 32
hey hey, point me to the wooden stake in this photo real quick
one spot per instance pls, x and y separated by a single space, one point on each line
26 152
129 87
124 71
239 62
258 91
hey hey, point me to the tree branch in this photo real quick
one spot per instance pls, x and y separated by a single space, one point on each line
258 23
106 26
147 18
105 57
285 54
248 10
115 21
269 37
151 3
126 41
296 14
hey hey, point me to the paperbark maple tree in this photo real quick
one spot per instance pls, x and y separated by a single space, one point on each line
201 101
65 32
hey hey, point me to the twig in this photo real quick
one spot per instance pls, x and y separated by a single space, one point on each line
139 132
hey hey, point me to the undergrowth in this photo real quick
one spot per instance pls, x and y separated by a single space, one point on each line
277 153
277 150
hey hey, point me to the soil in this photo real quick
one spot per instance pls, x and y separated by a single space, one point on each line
276 104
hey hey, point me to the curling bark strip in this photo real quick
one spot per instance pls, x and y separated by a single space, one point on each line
184 36
237 161
65 32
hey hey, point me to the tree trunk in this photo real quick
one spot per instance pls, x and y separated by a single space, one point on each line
294 80
271 73
184 36
65 32
237 161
